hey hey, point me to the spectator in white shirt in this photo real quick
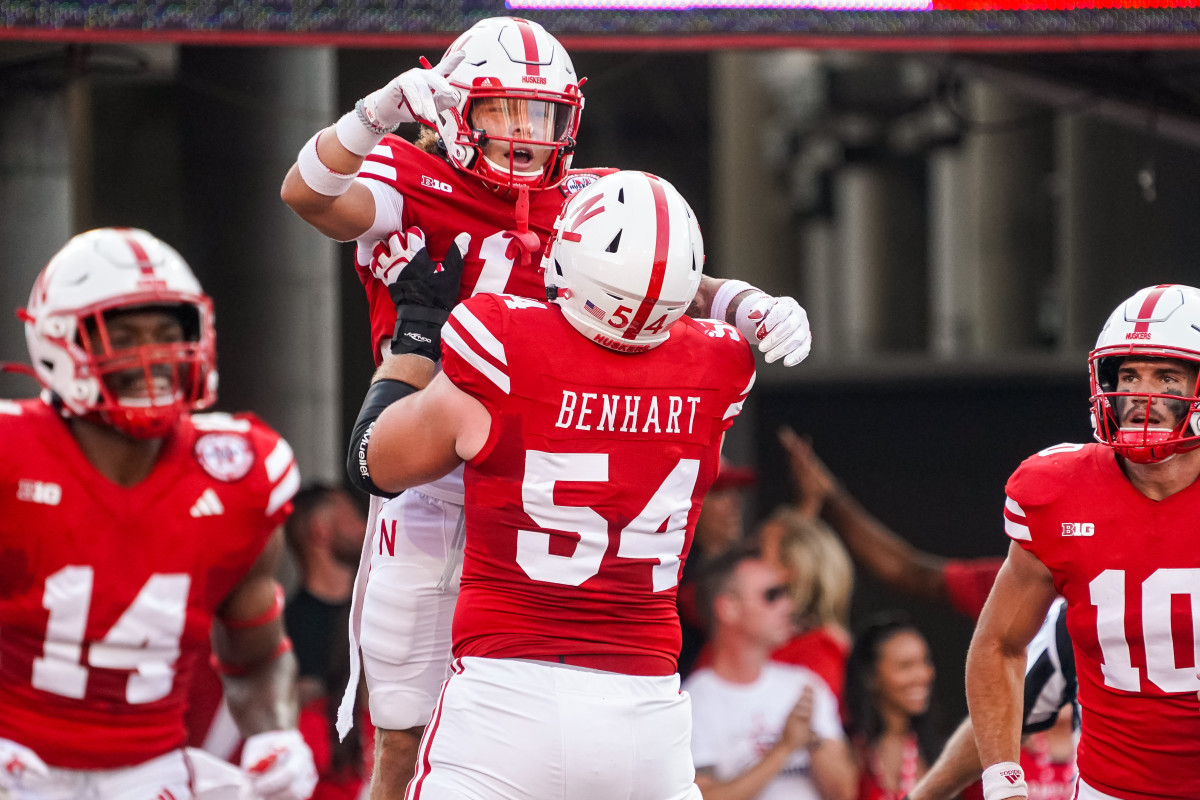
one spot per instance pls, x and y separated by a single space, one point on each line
760 730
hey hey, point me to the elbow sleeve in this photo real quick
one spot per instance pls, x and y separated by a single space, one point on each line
381 395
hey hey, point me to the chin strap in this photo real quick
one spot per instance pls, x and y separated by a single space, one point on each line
522 243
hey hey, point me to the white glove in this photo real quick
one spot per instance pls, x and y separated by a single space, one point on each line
280 765
779 325
18 762
414 96
388 259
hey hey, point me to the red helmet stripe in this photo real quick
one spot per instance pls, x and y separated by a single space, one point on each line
139 253
1147 309
529 39
658 273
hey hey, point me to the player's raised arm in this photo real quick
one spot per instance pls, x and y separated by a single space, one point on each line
321 186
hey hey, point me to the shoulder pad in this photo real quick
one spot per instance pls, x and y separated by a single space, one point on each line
1040 478
473 353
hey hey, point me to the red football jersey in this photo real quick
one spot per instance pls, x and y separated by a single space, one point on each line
1129 568
581 505
108 593
443 202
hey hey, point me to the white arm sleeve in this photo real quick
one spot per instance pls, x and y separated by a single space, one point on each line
389 216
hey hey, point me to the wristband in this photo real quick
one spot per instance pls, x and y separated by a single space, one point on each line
382 394
368 120
355 135
741 318
320 178
1002 780
419 331
238 670
270 615
724 296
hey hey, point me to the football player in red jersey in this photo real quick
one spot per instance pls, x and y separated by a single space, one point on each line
1111 527
500 115
587 457
129 529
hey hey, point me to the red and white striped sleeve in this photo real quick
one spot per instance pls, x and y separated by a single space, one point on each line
284 478
473 354
1016 525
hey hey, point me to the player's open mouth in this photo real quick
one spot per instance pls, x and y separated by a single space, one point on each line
522 157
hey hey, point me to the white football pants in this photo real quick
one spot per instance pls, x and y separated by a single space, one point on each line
411 589
510 729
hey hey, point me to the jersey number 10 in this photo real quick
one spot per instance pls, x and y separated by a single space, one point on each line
1108 596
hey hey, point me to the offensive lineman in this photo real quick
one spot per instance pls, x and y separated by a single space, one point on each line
1112 528
500 114
587 457
130 527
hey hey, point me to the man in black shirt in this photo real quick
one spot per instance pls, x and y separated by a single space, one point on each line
325 535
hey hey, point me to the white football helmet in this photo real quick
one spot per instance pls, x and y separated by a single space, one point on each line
66 328
523 79
625 261
1158 322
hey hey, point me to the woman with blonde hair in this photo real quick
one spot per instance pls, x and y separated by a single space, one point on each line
821 579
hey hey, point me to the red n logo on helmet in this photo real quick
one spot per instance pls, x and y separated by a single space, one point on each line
586 211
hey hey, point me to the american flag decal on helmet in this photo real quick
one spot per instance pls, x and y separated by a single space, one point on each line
594 310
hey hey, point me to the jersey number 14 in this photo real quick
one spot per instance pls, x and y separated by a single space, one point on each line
145 640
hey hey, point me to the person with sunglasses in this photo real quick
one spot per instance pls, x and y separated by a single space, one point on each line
760 729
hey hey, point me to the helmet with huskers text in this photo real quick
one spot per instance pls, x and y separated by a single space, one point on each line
95 277
625 261
1158 322
521 79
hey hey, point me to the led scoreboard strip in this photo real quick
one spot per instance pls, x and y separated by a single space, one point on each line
844 5
981 25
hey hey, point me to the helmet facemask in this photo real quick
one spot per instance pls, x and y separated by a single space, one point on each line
145 388
1144 427
535 137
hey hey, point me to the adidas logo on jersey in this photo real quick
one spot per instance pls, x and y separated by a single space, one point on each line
434 183
1078 529
209 505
